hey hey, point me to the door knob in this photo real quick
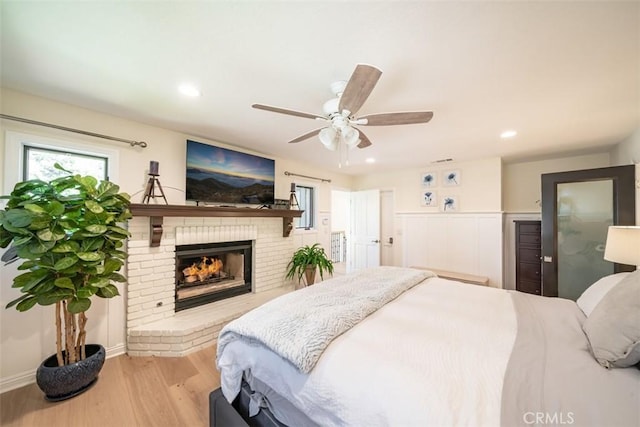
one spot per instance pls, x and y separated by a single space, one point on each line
375 241
391 240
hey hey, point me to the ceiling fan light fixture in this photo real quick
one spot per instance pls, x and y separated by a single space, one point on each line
328 137
351 137
340 113
338 87
330 107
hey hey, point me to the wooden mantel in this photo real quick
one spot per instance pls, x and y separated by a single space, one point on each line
157 212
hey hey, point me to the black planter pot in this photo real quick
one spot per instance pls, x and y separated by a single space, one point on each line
64 382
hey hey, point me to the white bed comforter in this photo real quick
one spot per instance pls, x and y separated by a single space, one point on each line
300 325
452 365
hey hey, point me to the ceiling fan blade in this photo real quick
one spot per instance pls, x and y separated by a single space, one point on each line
359 87
364 141
305 136
289 112
387 119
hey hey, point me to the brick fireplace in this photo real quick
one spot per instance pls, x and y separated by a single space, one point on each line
153 325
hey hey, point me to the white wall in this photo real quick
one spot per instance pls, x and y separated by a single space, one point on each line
28 338
480 189
340 209
521 183
468 243
166 146
628 153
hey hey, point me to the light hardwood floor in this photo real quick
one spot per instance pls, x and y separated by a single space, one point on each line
131 391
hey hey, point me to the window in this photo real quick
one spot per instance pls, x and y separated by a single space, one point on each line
306 197
38 164
29 156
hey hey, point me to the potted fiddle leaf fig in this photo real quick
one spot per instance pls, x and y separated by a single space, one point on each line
306 260
68 233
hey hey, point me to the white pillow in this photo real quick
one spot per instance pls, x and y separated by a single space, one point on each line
594 293
613 328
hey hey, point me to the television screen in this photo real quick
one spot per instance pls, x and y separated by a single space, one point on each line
220 175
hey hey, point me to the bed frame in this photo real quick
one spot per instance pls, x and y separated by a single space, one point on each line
236 414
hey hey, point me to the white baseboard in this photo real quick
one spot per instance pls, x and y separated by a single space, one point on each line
29 377
17 381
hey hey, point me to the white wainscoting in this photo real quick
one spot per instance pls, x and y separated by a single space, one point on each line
469 243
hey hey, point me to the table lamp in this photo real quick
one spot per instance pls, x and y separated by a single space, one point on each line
623 245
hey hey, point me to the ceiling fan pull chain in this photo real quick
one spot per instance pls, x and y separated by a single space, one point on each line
346 150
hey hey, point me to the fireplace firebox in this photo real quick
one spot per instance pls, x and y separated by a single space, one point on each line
212 272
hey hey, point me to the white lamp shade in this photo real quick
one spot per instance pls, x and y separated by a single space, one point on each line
331 106
328 137
351 136
623 245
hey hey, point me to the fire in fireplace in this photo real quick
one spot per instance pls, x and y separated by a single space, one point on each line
211 272
208 269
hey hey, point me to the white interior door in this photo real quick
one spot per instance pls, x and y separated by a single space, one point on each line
386 228
365 229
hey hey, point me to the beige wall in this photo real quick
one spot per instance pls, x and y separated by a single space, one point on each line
479 190
628 153
521 181
165 146
26 339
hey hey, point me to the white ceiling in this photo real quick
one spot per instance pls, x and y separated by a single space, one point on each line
565 75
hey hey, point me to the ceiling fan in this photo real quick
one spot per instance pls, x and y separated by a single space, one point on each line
340 112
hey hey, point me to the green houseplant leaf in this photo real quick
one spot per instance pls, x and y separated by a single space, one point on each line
68 232
309 257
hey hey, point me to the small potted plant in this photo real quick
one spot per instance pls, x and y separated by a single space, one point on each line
306 260
67 233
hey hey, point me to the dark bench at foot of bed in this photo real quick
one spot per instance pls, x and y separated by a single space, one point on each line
221 413
225 414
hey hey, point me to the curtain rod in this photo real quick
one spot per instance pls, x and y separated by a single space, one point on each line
287 173
83 132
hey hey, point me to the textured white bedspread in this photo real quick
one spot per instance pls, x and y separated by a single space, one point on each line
444 344
300 325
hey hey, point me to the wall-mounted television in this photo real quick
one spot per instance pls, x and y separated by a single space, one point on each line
221 176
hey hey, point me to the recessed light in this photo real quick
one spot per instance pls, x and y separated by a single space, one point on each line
508 134
370 160
188 89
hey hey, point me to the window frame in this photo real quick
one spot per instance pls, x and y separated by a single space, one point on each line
27 147
14 160
312 213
